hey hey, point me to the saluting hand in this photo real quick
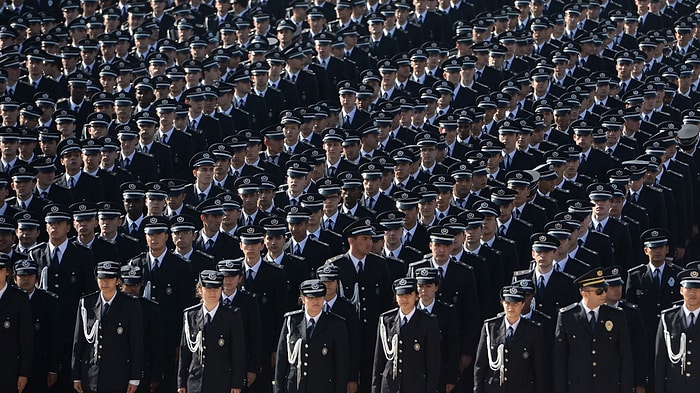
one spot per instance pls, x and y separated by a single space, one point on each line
21 383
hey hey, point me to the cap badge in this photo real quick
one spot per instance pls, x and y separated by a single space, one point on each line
153 220
542 238
250 230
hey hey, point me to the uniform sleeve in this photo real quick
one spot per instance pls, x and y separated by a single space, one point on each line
561 354
625 353
156 342
640 352
26 339
342 358
481 362
78 345
184 361
279 304
433 356
254 344
630 290
469 316
352 323
281 365
453 353
136 340
54 333
542 374
660 360
379 363
238 352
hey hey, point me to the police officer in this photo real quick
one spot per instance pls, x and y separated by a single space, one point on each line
131 284
428 286
337 304
212 336
108 339
407 354
45 321
16 335
511 356
677 337
312 353
638 332
239 299
592 348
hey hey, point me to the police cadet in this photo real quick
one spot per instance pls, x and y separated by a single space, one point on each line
85 223
168 282
45 324
364 279
239 299
132 284
16 334
511 356
677 336
553 289
313 349
407 353
338 305
183 232
428 286
67 270
267 282
212 349
108 338
635 323
592 348
211 240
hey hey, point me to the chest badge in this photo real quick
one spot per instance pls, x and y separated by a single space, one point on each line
222 342
609 326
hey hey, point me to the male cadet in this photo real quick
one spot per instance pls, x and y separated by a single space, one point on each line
522 279
563 262
179 141
108 341
677 335
202 165
92 157
510 227
553 289
448 321
301 244
333 218
17 334
486 261
394 249
160 153
457 286
45 321
601 195
638 332
592 349
594 163
176 197
414 234
168 282
236 298
579 212
183 230
335 303
366 282
248 189
314 202
489 233
67 270
131 283
23 181
352 195
297 180
372 198
45 187
520 181
109 218
141 165
211 240
85 223
133 195
84 187
267 282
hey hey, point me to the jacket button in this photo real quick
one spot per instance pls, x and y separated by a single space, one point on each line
593 352
595 364
595 375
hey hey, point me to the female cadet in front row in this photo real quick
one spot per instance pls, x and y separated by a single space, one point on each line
313 349
407 352
212 349
511 352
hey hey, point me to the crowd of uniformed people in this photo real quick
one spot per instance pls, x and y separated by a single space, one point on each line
349 196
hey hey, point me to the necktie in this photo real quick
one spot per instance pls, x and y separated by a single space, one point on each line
623 87
23 206
202 196
134 229
657 277
126 162
477 75
105 310
556 267
408 237
240 103
360 268
250 277
164 139
583 159
310 328
297 250
210 244
404 322
144 150
369 203
10 92
331 171
43 194
599 228
155 267
193 124
249 221
294 79
71 182
293 201
391 254
227 302
540 286
516 213
580 242
207 320
420 20
691 324
509 335
502 230
608 151
441 274
592 320
55 261
507 162
329 224
326 307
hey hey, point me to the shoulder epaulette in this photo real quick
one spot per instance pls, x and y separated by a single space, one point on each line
204 254
196 306
276 266
90 294
295 312
142 255
310 72
628 304
634 269
505 239
75 243
613 307
334 315
125 236
413 249
569 307
295 257
675 306
391 311
494 319
36 246
445 304
531 321
335 258
537 206
529 225
571 276
320 242
246 292
542 314
53 295
460 263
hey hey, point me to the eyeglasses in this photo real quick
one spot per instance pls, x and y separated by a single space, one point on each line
599 291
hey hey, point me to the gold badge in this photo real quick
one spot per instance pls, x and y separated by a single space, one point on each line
120 330
608 325
324 351
416 346
222 342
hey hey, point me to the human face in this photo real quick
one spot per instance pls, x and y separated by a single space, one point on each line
27 236
251 251
360 245
691 298
58 231
407 301
513 309
108 226
441 252
593 297
183 239
85 228
427 292
156 241
231 283
543 259
107 285
601 208
614 294
313 305
26 282
298 230
656 255
210 296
